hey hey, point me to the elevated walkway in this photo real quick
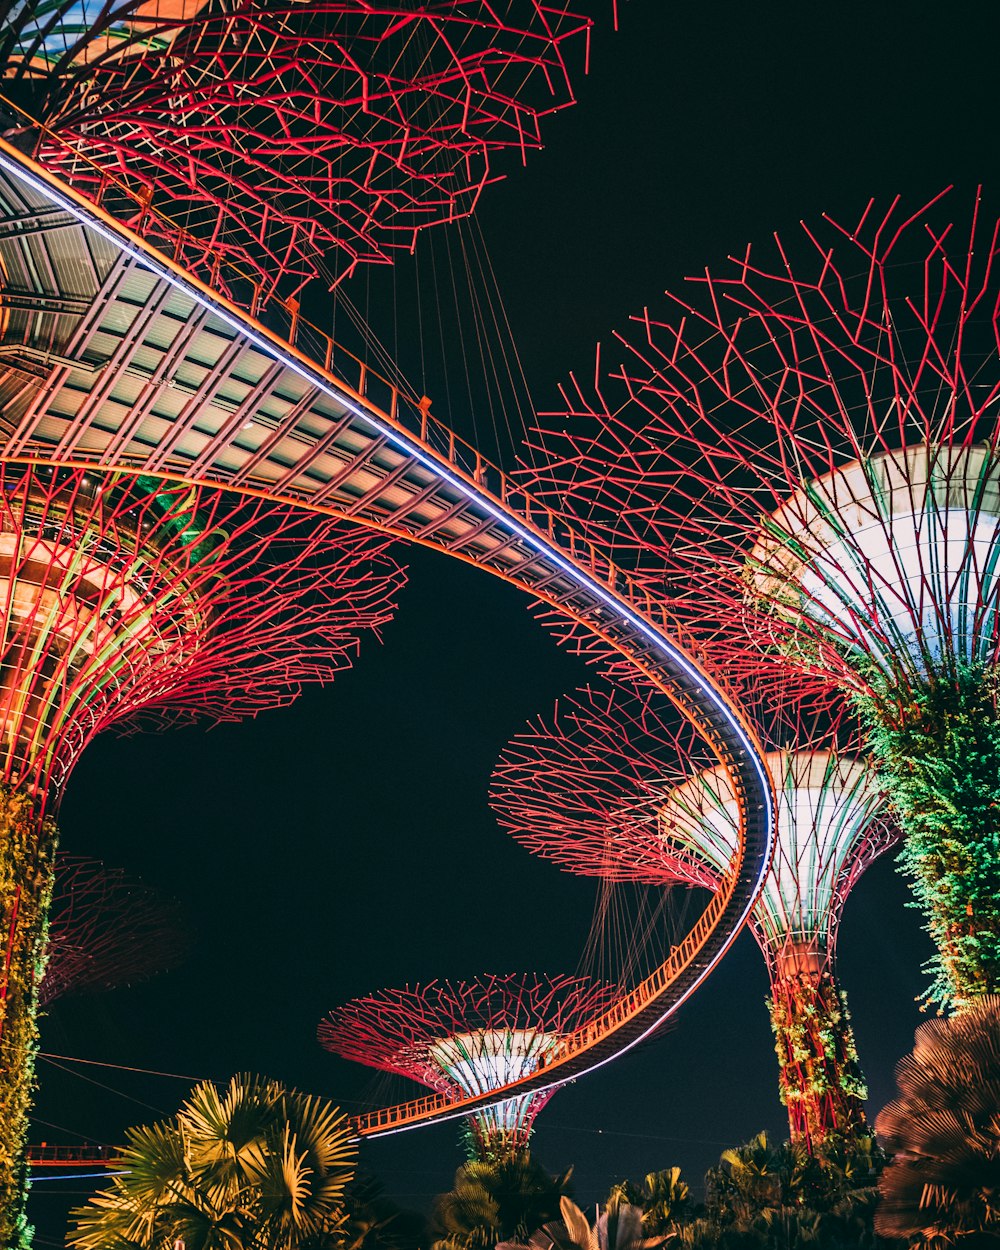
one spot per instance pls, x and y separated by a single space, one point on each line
112 357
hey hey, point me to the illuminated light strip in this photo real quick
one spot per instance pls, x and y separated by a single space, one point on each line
410 446
74 1176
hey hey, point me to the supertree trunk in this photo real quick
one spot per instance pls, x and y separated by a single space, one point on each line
27 855
939 751
820 1077
804 458
125 601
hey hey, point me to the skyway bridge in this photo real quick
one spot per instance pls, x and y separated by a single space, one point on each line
114 357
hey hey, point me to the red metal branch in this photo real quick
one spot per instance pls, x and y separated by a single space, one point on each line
107 929
297 138
134 603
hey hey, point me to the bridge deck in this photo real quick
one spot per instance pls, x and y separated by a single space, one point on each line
112 357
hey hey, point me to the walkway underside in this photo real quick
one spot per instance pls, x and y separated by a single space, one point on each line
112 357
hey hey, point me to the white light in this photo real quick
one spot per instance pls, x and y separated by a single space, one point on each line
898 556
826 805
485 1060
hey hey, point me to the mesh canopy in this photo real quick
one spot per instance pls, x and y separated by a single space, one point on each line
132 602
296 138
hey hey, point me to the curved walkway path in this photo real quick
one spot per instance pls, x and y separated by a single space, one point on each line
113 357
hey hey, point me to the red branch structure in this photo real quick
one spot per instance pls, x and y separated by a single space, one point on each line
131 602
826 410
803 457
469 1037
608 788
296 138
106 929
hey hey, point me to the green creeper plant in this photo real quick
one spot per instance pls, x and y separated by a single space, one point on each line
27 855
938 748
817 1056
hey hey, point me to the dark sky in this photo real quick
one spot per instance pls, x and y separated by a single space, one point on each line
345 844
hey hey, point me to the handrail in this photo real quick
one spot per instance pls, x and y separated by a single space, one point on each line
581 1039
397 405
44 1155
491 485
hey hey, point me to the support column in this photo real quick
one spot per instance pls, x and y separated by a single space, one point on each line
822 1085
27 853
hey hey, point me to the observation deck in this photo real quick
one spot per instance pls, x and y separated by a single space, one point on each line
113 357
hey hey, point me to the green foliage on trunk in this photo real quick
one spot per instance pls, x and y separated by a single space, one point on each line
938 748
821 1082
27 853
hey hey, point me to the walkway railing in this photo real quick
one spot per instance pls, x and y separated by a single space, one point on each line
413 417
283 318
630 1006
46 1156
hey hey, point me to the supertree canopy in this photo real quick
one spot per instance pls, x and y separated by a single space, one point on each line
810 446
294 138
467 1038
106 929
128 601
607 788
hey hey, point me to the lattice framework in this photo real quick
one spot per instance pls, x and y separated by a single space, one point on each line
128 601
468 1037
133 603
809 447
607 788
299 138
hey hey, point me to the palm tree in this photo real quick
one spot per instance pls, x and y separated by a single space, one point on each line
496 1201
941 1186
375 1222
255 1165
767 1197
754 1178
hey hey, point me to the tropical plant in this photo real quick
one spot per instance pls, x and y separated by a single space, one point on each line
755 1178
774 1197
939 753
663 1198
496 1201
255 1166
617 1228
941 1186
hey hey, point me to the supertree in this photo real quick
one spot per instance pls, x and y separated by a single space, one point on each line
106 929
469 1037
609 787
294 138
810 446
131 602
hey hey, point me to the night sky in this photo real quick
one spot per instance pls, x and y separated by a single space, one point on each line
345 844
